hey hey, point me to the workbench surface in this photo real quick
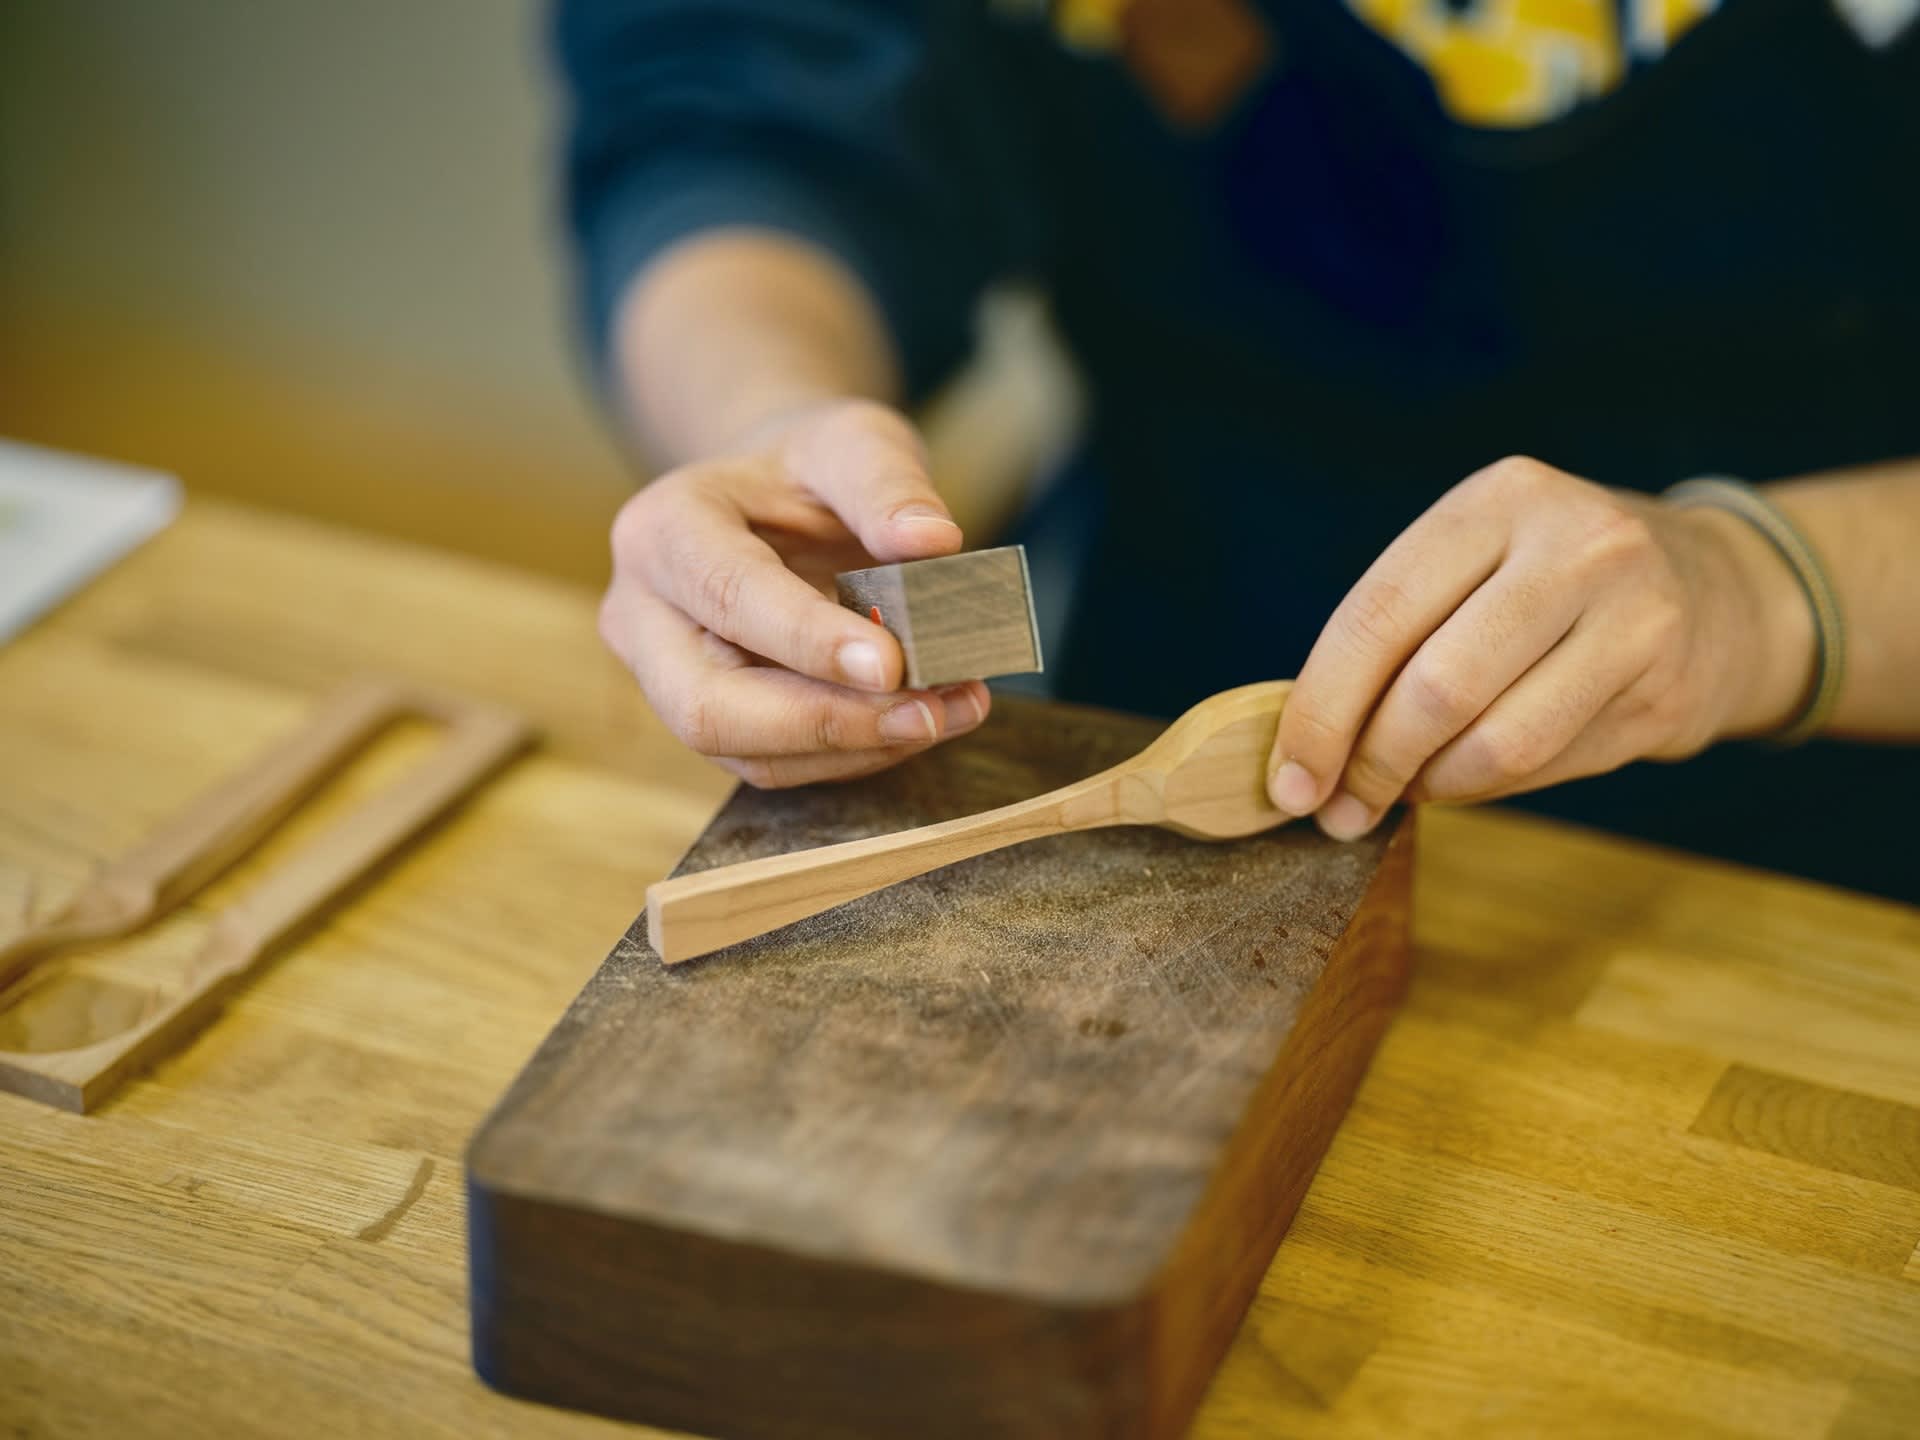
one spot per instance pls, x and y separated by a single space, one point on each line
1642 1152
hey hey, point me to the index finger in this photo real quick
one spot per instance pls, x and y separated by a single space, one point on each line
711 566
1418 581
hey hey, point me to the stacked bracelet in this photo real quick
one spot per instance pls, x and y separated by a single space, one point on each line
1830 648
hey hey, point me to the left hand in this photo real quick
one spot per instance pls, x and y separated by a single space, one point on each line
1530 628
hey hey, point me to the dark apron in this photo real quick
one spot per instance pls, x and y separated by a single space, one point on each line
1305 326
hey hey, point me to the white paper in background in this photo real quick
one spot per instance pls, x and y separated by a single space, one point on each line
65 518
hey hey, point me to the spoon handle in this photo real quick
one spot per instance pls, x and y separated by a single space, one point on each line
692 915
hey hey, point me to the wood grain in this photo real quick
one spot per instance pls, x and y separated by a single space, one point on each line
1515 1232
215 830
60 1044
1002 1150
957 617
1204 778
1834 1129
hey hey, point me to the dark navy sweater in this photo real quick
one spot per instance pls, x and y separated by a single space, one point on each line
1313 297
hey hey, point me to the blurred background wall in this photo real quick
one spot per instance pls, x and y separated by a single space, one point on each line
304 254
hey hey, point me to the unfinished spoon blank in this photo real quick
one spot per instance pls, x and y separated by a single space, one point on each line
217 830
1204 777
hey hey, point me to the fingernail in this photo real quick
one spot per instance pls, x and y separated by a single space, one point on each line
963 711
859 661
1293 788
909 720
920 513
1346 817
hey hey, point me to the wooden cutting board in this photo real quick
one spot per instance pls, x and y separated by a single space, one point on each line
1003 1150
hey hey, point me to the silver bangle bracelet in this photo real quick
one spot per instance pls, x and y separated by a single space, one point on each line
1830 637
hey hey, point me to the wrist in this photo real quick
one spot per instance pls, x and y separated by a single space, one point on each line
731 328
765 426
753 414
1763 630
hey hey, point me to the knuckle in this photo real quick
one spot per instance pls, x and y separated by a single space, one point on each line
1373 777
1613 538
717 588
1660 639
1439 692
825 728
1642 705
1372 617
631 525
810 642
1512 475
1627 702
691 718
1510 753
1667 629
1669 723
1307 729
1664 711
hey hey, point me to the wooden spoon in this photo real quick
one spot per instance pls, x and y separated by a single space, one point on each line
1204 777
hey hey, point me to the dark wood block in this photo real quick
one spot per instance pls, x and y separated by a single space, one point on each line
1001 1151
957 617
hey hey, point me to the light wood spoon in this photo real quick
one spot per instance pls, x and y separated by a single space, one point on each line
1204 777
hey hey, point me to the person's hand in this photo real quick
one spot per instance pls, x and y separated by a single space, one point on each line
1532 628
719 603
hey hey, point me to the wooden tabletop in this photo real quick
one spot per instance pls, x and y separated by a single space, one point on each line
1642 1153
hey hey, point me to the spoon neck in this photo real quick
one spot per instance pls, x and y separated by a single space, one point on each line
1129 794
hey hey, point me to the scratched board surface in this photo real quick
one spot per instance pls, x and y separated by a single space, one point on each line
1016 1073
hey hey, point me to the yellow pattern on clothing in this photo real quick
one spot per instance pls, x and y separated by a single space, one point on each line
1495 63
1090 24
1510 63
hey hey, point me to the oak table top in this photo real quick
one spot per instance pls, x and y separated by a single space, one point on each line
1641 1153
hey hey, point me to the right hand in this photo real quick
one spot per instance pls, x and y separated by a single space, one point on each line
721 606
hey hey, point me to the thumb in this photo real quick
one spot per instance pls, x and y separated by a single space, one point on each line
868 465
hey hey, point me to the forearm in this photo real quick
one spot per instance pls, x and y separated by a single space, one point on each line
731 328
1865 526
